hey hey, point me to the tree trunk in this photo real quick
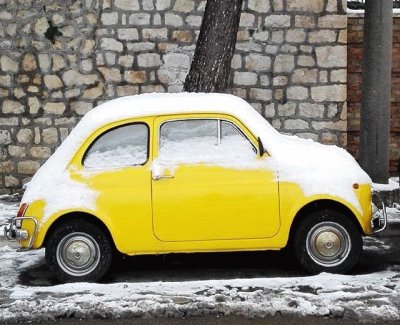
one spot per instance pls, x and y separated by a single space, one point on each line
376 87
211 64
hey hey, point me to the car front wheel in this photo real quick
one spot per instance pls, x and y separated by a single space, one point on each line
79 251
328 241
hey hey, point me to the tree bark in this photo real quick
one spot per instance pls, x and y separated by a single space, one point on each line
376 89
211 64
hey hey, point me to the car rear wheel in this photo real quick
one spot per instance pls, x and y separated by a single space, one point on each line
79 251
327 241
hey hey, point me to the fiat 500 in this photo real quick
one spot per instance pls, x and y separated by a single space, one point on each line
168 173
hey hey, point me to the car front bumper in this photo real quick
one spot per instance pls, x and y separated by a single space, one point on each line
379 215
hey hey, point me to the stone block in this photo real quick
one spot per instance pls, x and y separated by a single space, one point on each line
297 93
111 44
284 63
28 167
310 110
338 76
74 78
331 93
141 47
10 121
322 36
172 19
6 167
305 76
304 21
5 137
29 62
81 108
128 34
11 181
5 81
127 90
54 108
24 136
50 136
127 4
247 19
260 94
296 35
109 18
139 19
258 62
155 33
163 4
8 64
245 78
183 36
330 125
275 21
184 6
126 61
40 152
332 56
16 151
12 107
149 60
93 92
176 61
305 61
44 62
288 109
313 6
259 5
135 77
295 124
52 82
332 21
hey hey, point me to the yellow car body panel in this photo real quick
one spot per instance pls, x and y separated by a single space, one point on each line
203 208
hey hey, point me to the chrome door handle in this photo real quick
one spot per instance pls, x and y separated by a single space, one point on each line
158 177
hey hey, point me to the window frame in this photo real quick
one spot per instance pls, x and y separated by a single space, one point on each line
219 133
110 130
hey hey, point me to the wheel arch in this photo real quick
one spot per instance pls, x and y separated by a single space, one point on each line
78 215
318 205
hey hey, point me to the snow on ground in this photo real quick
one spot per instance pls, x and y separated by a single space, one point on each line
374 296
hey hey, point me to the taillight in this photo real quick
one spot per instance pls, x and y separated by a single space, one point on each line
22 209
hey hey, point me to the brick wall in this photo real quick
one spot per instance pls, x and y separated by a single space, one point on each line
59 59
355 57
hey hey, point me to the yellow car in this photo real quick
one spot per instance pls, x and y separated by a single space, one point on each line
167 173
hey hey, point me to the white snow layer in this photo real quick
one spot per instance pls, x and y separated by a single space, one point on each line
365 297
391 186
318 169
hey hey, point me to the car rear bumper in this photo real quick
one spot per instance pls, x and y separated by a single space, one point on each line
13 232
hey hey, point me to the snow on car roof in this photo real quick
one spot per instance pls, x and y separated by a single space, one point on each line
316 168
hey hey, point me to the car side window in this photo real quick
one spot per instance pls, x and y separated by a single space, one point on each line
203 141
119 147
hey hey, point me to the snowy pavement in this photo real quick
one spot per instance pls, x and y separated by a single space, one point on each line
249 284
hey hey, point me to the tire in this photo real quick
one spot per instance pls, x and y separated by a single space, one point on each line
327 241
78 251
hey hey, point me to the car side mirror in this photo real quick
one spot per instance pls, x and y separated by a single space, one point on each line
261 149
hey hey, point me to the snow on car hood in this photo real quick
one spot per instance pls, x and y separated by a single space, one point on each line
316 168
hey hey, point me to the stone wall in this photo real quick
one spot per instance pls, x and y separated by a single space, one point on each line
355 57
59 59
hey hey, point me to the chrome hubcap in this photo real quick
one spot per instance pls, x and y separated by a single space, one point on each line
328 244
78 254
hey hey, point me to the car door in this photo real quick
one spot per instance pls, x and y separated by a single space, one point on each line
209 183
